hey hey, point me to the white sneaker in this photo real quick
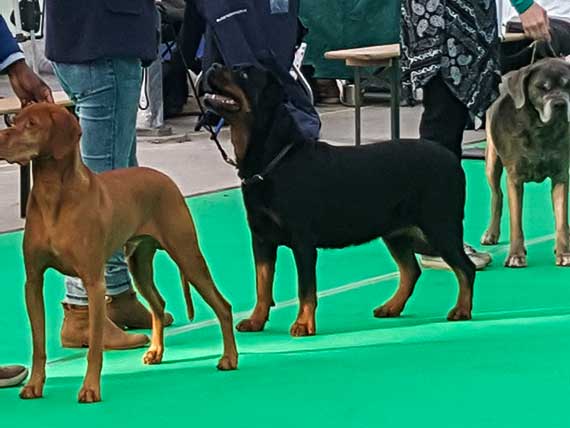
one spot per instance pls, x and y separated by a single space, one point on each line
480 259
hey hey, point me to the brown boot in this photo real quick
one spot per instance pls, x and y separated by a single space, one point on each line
75 331
126 311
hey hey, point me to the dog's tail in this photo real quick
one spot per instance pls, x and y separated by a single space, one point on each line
187 297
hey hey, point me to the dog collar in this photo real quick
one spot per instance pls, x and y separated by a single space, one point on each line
260 177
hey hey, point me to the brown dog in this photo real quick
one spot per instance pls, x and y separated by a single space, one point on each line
528 132
76 220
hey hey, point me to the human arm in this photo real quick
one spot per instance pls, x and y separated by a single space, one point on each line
534 19
27 85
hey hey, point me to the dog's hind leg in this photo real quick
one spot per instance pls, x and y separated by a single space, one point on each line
186 253
494 171
140 265
36 313
265 255
401 248
306 260
447 240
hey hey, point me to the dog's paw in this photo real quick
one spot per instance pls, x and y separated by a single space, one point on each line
490 238
89 394
31 391
250 325
563 259
153 355
459 313
302 329
515 261
228 362
388 311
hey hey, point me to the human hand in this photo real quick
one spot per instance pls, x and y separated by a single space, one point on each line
535 23
27 85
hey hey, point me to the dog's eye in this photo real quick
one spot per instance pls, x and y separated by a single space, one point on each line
544 86
30 123
244 75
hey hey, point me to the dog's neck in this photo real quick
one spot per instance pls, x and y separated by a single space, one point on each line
58 181
258 144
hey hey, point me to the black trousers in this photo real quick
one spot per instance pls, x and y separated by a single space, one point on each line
192 31
444 118
518 54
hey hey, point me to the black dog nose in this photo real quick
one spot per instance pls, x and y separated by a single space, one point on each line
559 103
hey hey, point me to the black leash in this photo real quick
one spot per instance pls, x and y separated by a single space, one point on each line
258 178
213 135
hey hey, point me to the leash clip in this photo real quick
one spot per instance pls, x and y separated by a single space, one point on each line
255 179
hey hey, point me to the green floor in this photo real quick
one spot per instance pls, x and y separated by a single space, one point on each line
509 367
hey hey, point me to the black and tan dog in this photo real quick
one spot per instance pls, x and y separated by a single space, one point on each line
309 195
528 133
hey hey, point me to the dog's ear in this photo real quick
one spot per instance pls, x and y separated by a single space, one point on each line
516 85
65 133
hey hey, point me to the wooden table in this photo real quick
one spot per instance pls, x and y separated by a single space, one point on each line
373 56
11 105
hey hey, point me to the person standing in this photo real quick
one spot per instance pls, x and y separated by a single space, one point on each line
450 51
29 88
97 48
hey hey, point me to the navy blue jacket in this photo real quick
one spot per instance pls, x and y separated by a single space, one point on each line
79 31
262 33
8 46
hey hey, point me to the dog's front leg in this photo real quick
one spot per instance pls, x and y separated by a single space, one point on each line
517 253
265 255
36 313
306 260
91 390
560 205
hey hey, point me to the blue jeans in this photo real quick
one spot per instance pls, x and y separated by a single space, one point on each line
106 95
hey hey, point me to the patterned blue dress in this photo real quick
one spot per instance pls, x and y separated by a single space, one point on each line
459 40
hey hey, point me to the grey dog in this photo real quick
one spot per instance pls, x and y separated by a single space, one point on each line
528 133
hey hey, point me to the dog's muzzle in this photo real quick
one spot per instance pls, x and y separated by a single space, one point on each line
555 103
219 102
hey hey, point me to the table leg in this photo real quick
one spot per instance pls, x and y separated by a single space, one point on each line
395 99
357 105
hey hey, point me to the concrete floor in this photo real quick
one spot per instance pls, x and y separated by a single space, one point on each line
196 164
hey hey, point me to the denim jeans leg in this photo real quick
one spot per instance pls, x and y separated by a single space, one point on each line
106 94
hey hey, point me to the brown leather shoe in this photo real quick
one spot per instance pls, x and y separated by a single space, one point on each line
75 331
126 311
12 375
